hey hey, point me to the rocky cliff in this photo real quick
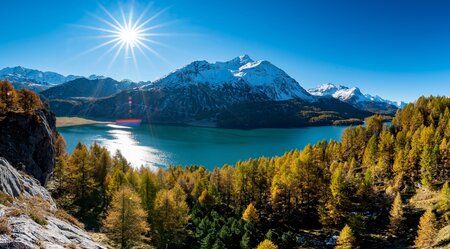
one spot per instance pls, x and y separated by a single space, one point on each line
29 218
26 141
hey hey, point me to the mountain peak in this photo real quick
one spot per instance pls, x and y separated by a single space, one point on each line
241 72
245 59
349 94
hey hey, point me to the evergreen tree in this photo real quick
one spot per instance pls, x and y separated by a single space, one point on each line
346 239
427 230
246 241
126 220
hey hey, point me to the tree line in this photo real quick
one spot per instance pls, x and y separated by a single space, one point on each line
359 186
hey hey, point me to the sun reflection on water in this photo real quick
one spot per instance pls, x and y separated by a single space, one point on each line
122 138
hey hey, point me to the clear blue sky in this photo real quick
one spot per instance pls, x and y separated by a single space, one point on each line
396 49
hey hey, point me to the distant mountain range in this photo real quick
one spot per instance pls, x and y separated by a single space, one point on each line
36 80
240 93
355 97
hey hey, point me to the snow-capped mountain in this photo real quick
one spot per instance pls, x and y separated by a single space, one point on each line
36 80
239 74
240 93
354 96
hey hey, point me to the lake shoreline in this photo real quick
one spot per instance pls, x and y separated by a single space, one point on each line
76 121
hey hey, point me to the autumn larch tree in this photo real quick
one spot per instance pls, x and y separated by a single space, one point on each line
427 230
444 202
28 101
250 214
396 216
346 239
8 96
267 244
126 220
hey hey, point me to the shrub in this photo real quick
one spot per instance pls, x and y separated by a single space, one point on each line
4 226
37 216
5 199
15 212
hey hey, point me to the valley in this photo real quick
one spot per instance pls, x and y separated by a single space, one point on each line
239 93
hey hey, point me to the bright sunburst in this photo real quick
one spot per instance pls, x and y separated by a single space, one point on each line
125 34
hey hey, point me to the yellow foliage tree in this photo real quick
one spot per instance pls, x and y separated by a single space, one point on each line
8 96
250 214
427 230
267 244
346 239
28 100
170 216
396 215
444 203
126 220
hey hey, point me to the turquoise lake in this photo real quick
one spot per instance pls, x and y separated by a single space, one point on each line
160 146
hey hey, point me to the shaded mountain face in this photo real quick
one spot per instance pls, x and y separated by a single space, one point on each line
87 88
355 97
239 93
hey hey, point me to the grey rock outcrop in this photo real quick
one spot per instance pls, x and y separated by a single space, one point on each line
24 231
26 141
16 184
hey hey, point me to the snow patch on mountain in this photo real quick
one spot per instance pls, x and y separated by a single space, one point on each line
350 94
240 72
25 74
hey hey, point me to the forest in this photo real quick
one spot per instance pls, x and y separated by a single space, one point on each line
383 184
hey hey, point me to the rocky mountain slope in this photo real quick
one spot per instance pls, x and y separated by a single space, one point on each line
29 218
355 97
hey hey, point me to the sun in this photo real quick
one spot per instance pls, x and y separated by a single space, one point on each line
126 34
129 36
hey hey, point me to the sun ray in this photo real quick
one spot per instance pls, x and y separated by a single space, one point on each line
112 25
116 55
144 12
153 51
111 16
151 18
98 46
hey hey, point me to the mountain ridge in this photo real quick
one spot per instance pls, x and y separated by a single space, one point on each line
354 96
261 76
